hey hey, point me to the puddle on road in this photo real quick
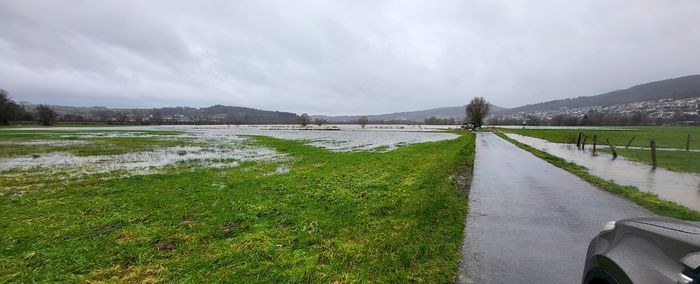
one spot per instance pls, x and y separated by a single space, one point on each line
683 188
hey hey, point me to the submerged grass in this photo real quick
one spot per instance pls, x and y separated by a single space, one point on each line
679 161
647 200
333 217
665 137
19 142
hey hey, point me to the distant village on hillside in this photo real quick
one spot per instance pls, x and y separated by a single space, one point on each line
663 111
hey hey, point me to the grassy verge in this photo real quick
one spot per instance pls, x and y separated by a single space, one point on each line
647 200
679 161
665 136
334 217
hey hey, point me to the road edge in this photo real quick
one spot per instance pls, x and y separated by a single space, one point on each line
644 199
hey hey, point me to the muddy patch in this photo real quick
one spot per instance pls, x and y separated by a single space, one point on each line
106 228
230 226
165 246
462 178
188 221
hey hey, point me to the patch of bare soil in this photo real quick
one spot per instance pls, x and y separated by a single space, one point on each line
188 221
106 228
462 178
165 245
230 226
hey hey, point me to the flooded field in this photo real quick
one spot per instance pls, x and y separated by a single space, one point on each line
624 128
227 197
683 188
209 146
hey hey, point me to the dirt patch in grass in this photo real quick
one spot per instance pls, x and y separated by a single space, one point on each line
230 226
462 178
106 228
165 245
188 221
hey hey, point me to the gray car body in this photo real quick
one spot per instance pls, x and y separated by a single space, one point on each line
643 250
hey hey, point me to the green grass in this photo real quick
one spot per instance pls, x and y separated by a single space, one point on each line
335 217
680 161
94 145
647 200
665 136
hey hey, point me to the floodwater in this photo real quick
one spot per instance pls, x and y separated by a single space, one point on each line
53 143
223 145
560 127
335 137
139 162
340 140
682 188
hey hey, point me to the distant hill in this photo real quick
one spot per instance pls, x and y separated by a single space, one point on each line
457 112
678 88
216 113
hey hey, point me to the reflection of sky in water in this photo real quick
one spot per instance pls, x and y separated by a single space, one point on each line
225 146
140 161
683 188
54 143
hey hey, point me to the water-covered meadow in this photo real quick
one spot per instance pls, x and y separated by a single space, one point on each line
185 203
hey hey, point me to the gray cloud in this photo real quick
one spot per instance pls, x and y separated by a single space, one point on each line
342 57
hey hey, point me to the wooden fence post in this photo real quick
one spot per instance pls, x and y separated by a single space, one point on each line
630 142
595 143
687 143
652 144
612 149
578 142
583 143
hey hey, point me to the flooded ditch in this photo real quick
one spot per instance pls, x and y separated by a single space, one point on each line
682 188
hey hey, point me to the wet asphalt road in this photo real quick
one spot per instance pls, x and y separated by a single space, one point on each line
529 221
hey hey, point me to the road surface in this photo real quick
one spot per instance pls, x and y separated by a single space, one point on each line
529 221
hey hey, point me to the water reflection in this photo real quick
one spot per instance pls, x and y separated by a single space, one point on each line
683 188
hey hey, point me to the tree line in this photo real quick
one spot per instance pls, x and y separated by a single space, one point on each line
11 111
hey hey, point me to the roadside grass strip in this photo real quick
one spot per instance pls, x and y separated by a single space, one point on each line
647 200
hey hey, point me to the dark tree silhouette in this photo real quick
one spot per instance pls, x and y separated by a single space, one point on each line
363 121
10 110
320 121
46 114
477 110
304 119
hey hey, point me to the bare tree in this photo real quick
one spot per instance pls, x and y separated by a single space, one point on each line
46 114
10 110
477 110
198 119
363 121
304 119
320 121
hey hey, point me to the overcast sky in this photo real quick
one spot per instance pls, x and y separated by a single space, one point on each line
339 57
